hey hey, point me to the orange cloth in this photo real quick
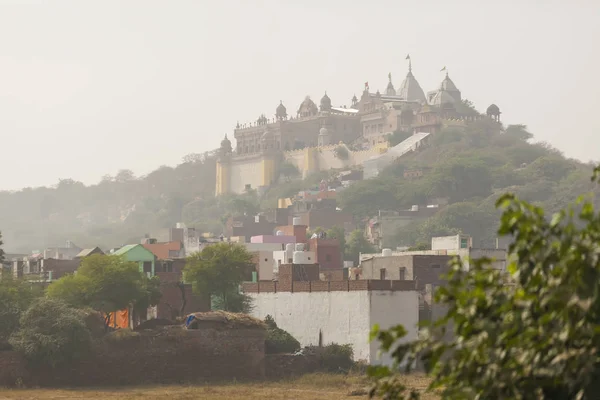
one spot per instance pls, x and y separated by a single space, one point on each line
120 319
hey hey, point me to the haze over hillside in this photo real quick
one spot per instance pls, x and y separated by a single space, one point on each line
142 83
469 169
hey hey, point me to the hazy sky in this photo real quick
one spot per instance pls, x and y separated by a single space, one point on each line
90 87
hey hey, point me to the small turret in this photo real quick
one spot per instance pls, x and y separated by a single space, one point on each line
325 103
281 112
390 90
226 147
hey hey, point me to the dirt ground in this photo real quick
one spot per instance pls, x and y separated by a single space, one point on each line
315 386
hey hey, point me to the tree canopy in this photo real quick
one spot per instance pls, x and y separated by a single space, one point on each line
15 297
52 333
531 334
106 283
1 250
218 270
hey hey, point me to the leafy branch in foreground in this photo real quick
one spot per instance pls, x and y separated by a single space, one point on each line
529 334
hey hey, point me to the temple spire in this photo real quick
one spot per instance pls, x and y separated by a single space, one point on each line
409 63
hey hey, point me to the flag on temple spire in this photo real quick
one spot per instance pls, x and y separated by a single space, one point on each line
407 57
443 69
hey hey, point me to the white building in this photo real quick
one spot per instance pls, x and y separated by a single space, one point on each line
457 245
341 312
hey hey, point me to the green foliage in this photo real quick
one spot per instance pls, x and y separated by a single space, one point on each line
341 152
288 170
532 334
92 215
15 297
1 250
337 358
278 340
52 333
356 244
218 270
107 283
398 137
338 233
233 301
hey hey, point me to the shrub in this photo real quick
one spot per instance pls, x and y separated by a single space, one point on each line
278 340
15 297
337 358
341 152
52 333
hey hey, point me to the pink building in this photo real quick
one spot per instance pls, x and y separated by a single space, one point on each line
283 239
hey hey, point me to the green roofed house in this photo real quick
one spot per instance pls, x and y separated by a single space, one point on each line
138 253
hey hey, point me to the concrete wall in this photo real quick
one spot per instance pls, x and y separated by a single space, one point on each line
339 316
391 308
245 172
426 269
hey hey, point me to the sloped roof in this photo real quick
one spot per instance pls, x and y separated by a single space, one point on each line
161 250
87 252
125 249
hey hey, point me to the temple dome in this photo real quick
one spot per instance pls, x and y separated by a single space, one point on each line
325 103
307 108
410 90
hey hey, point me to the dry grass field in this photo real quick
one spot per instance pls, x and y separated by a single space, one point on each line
314 386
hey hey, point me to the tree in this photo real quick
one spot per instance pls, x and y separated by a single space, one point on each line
15 297
124 175
106 283
288 170
218 270
531 334
52 333
341 152
337 232
1 251
357 243
518 132
233 301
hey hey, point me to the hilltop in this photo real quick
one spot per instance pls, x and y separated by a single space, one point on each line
466 168
464 171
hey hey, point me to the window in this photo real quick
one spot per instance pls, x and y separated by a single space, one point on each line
308 258
402 275
328 257
382 274
266 259
147 266
464 243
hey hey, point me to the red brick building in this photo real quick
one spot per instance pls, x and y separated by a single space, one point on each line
327 252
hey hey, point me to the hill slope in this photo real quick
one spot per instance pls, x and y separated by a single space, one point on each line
469 169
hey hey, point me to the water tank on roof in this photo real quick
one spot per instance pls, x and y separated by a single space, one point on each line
299 246
386 252
279 233
296 221
414 208
289 247
299 257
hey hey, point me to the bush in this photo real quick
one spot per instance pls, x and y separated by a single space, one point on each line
15 297
341 152
278 340
52 333
337 358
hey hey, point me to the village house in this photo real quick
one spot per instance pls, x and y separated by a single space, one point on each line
341 311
